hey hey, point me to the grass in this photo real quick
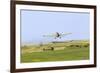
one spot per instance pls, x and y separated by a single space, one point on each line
66 54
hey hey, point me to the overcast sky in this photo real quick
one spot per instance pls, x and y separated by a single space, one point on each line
35 24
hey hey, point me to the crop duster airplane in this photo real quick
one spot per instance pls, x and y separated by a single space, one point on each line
57 35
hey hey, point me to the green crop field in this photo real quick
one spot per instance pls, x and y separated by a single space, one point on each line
64 51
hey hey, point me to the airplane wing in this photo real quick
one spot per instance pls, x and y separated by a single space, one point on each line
64 34
53 35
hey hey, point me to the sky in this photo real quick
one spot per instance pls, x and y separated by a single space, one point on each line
35 24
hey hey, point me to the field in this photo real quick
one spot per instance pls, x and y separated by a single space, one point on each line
56 51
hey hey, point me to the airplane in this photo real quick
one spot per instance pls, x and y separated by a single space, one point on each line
57 35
